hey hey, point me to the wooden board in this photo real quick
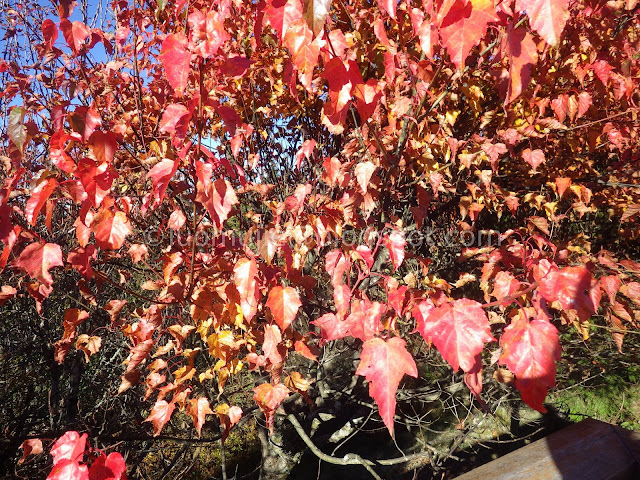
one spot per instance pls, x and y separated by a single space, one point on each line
589 450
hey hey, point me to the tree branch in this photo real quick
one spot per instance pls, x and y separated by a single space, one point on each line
350 458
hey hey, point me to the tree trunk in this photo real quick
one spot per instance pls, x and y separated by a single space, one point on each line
277 462
74 389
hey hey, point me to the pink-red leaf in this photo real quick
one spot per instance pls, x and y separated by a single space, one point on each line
96 179
217 197
269 397
304 50
37 258
111 229
176 59
331 327
244 276
458 329
282 13
160 415
69 446
108 467
75 34
535 158
364 320
68 470
161 175
530 350
207 32
103 145
547 17
383 364
175 119
464 26
39 196
80 259
574 289
389 6
395 243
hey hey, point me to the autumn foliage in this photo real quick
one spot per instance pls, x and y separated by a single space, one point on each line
258 181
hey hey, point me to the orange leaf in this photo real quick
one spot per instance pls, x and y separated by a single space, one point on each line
160 415
198 409
32 446
284 304
269 397
111 230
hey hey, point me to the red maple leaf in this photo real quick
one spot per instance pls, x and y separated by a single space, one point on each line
207 32
458 329
523 55
161 175
69 446
530 350
547 17
331 327
103 145
111 229
364 320
175 119
96 179
574 289
383 364
176 58
75 34
49 33
37 258
282 13
66 469
108 467
217 197
464 26
39 196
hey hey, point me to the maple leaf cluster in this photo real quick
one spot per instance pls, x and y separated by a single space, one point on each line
226 149
69 453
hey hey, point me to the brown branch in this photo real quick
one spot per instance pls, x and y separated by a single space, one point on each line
105 278
350 458
610 117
